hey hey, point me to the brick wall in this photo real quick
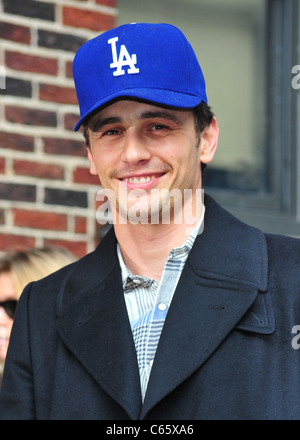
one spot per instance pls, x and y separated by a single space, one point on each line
47 195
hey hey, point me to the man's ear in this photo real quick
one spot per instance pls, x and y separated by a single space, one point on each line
93 169
209 141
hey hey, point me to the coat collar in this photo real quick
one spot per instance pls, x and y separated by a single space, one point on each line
241 254
93 323
223 285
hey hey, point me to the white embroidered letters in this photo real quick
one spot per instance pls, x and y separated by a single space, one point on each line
124 59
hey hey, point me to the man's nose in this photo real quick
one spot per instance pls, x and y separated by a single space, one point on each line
135 148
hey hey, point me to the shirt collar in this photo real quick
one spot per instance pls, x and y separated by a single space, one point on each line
183 250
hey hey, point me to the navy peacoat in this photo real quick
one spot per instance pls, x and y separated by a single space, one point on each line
229 349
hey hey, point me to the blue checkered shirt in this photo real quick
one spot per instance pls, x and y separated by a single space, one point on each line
148 303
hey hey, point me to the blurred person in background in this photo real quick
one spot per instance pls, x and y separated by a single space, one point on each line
17 269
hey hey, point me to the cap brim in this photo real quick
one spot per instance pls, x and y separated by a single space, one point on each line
166 98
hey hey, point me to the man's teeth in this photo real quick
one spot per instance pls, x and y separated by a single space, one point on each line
141 179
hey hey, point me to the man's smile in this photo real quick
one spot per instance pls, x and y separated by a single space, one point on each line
142 181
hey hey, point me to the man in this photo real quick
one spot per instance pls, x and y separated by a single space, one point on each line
182 312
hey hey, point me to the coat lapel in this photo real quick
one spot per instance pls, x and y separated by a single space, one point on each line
223 286
94 325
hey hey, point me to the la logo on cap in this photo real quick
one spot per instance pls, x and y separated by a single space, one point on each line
124 59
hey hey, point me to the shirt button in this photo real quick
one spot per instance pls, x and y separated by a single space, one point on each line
162 306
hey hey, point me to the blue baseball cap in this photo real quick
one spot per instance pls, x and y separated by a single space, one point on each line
149 62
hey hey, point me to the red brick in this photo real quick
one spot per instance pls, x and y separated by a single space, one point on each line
29 116
30 9
17 191
65 197
16 141
2 165
15 32
40 220
17 87
2 216
69 69
59 94
111 3
40 170
80 225
64 147
70 120
12 242
78 248
83 175
31 63
80 18
59 40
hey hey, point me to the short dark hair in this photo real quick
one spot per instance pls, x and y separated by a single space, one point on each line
203 117
85 132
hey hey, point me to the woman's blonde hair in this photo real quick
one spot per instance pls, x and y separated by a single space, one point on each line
34 264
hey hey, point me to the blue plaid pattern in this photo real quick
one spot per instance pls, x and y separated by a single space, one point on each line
148 303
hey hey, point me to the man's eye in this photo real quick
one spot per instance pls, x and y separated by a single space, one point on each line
158 127
111 132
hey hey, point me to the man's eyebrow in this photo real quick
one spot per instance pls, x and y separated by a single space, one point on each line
97 123
160 114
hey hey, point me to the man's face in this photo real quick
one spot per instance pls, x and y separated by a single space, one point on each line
137 148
